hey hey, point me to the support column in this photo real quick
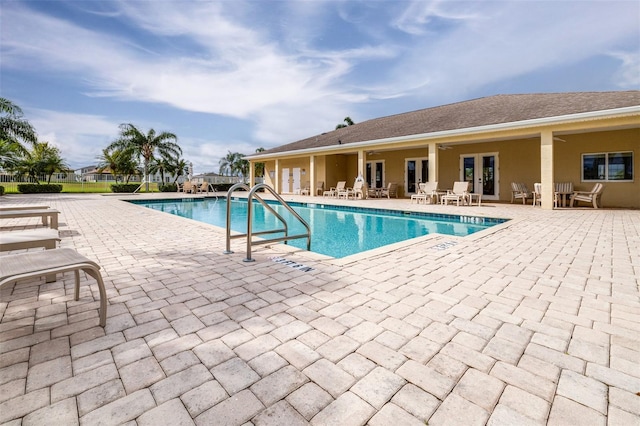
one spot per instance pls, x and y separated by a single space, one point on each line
433 162
546 169
312 175
362 161
252 173
276 178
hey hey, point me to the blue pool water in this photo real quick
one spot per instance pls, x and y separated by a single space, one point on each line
335 231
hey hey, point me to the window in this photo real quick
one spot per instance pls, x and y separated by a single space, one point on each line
608 166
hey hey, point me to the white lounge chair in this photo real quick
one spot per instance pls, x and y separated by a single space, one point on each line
427 191
592 196
519 190
16 267
459 194
390 191
29 238
50 214
333 191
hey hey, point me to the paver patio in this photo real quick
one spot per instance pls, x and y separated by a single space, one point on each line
534 322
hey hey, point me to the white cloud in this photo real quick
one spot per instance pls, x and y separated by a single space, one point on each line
80 137
275 72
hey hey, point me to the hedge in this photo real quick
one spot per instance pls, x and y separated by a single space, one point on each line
44 188
124 187
168 187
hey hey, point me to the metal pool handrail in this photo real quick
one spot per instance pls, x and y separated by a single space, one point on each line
253 195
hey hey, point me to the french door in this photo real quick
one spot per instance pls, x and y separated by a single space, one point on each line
416 171
375 174
481 170
290 180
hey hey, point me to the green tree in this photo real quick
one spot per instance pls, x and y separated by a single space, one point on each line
43 159
259 167
234 164
146 146
121 163
347 122
15 132
178 168
10 154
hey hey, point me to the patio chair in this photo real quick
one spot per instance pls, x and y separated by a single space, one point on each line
333 191
537 195
188 186
16 267
359 190
203 188
320 188
390 191
306 188
427 191
562 192
519 190
592 196
459 193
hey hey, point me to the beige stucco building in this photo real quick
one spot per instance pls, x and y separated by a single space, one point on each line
583 138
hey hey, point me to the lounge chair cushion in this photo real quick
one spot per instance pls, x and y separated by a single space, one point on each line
14 267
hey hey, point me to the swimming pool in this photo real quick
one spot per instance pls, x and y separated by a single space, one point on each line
336 231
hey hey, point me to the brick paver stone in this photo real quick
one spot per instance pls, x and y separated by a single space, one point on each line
309 400
171 412
416 401
525 403
233 411
48 373
426 378
382 355
131 351
179 383
524 380
503 415
141 374
297 354
329 376
377 387
479 388
235 375
60 413
584 390
257 346
82 382
347 410
121 410
278 385
203 397
99 396
213 352
456 410
23 405
392 414
337 348
279 414
567 412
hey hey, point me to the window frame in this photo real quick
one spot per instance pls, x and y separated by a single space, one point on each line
606 166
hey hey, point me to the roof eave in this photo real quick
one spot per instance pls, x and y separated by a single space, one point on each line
515 125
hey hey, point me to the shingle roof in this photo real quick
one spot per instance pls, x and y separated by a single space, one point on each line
486 111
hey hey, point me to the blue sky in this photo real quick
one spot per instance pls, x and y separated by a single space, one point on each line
237 75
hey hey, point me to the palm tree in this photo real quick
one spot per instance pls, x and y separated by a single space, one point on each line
348 122
43 159
234 164
10 154
14 129
259 167
179 168
121 163
146 146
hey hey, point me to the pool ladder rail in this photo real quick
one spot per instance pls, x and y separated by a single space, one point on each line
249 235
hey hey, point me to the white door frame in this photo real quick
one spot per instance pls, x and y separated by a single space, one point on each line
420 172
479 185
373 170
